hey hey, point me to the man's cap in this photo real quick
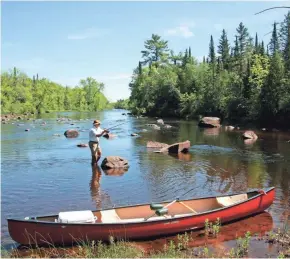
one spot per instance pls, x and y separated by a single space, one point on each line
96 122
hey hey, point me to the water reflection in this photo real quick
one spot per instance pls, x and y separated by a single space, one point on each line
211 131
259 225
182 156
95 185
115 171
249 141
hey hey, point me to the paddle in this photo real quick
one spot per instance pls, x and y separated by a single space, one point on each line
176 200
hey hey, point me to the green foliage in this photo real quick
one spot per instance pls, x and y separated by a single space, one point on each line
20 94
247 84
122 104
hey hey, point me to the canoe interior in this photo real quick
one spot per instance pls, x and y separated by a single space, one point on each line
141 213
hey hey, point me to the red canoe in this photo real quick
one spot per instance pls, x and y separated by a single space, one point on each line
138 221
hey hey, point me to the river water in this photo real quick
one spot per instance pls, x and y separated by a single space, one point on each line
42 173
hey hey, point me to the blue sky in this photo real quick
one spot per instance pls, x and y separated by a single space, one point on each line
69 41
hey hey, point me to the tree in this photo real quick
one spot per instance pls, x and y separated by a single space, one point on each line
257 46
271 91
224 50
155 49
211 55
284 36
274 42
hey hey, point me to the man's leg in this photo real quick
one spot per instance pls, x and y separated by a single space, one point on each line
93 147
99 153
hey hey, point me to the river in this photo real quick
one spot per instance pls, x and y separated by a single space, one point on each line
42 173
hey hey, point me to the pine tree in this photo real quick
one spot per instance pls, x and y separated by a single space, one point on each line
274 42
243 38
224 50
271 91
262 49
185 58
284 36
211 54
203 61
257 48
140 68
247 87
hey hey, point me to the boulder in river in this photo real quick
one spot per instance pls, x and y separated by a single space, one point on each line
82 145
109 135
153 144
114 162
71 133
115 171
154 126
177 147
134 134
249 134
166 126
209 122
229 128
160 121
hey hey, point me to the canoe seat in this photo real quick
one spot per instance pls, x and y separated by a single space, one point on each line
230 200
110 216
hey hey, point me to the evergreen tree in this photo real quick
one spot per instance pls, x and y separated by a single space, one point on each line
211 55
274 42
262 49
243 39
224 50
272 89
257 47
285 40
155 49
140 68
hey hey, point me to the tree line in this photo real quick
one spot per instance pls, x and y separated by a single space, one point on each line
246 81
20 94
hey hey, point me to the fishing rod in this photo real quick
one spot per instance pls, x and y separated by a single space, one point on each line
117 125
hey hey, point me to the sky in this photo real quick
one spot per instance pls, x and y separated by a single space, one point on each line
69 41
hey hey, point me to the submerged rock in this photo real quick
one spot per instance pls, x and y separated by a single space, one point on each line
230 128
209 122
154 126
82 145
134 134
71 133
177 147
249 134
152 144
114 162
109 135
166 126
160 121
115 171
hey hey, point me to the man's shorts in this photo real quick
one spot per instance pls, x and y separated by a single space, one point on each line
95 148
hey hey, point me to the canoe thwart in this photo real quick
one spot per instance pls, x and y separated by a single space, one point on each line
188 207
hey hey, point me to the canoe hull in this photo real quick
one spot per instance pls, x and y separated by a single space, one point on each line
44 233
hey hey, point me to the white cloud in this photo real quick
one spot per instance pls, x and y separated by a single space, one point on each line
182 30
88 34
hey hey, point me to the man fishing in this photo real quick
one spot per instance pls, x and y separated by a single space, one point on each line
94 141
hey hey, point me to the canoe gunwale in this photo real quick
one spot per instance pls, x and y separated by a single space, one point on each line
259 194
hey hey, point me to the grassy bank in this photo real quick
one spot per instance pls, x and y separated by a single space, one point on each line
178 248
